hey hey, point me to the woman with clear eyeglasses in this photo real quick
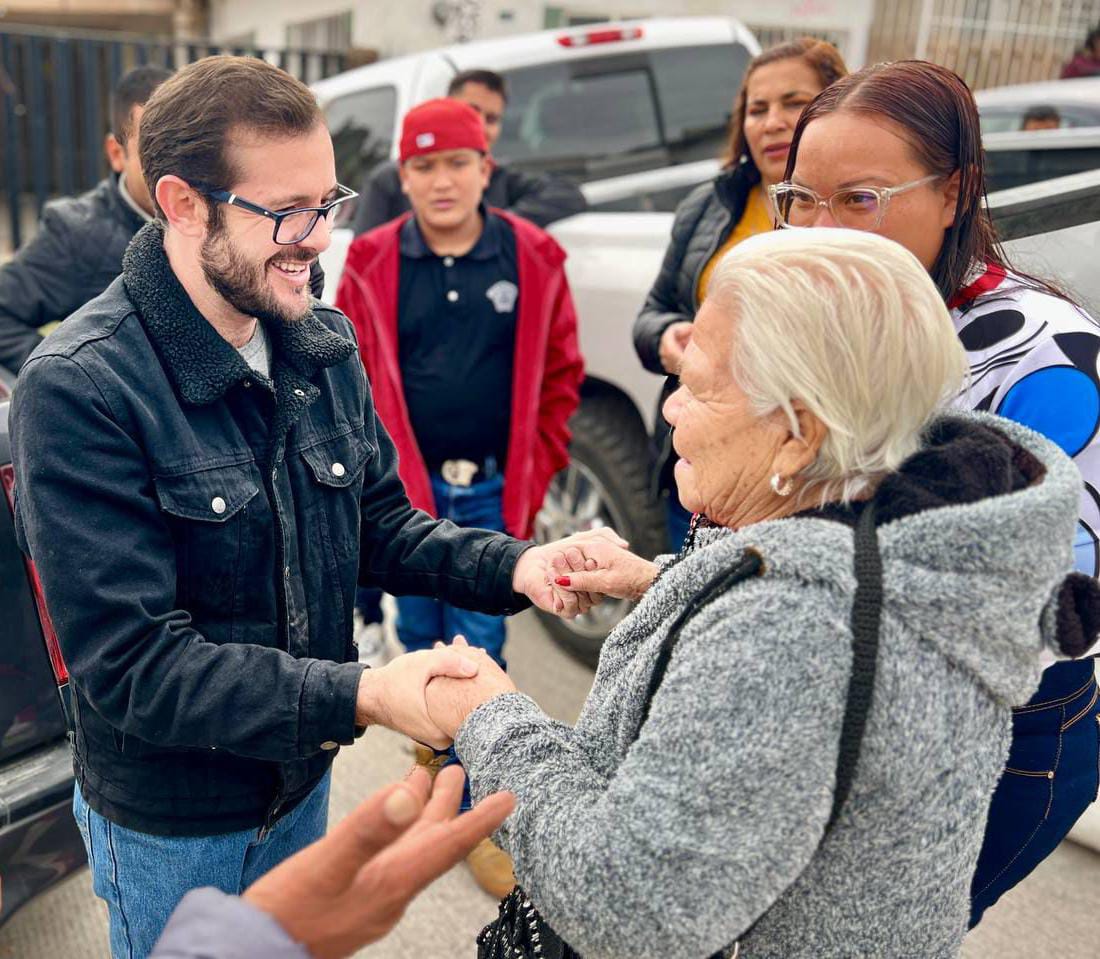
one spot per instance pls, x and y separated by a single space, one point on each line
716 216
896 149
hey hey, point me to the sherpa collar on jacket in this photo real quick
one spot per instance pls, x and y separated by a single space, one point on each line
200 362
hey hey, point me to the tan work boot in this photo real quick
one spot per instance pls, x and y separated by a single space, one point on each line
492 868
428 758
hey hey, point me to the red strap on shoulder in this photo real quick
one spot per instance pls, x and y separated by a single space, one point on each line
988 281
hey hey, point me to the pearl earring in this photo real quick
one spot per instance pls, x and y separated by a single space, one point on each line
780 486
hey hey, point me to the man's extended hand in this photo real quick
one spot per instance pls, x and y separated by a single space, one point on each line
534 577
351 887
393 696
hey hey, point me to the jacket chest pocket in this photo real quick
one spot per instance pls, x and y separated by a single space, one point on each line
334 471
207 512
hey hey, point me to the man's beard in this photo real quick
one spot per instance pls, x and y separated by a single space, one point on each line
244 285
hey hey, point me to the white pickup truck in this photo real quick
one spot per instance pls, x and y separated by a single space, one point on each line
636 112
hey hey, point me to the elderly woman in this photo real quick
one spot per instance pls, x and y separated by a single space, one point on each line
746 769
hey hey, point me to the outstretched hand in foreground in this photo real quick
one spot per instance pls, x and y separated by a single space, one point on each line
351 887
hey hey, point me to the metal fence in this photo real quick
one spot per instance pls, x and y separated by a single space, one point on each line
56 88
989 43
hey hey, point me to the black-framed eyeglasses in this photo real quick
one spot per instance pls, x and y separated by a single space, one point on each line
856 208
291 226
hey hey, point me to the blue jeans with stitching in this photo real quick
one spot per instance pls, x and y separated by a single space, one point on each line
1051 777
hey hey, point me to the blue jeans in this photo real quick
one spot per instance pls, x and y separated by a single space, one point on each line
368 600
142 877
422 621
1051 777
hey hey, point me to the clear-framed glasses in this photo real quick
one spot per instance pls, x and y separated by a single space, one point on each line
291 226
855 208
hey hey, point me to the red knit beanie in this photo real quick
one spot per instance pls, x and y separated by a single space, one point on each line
443 124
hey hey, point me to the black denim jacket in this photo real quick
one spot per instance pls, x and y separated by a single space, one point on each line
198 530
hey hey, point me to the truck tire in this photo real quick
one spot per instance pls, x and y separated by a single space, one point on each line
607 483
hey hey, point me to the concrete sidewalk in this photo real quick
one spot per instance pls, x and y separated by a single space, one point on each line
1056 912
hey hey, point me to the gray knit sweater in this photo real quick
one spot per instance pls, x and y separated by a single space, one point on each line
708 827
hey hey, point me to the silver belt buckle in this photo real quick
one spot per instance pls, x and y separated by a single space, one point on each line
459 472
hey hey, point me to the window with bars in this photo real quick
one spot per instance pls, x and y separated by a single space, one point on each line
324 33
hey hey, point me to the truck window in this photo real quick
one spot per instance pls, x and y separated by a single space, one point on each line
573 122
696 87
361 125
1011 168
607 116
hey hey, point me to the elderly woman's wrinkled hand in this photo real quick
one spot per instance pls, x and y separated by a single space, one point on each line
599 568
534 578
450 701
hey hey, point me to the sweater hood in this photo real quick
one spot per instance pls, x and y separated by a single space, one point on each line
976 533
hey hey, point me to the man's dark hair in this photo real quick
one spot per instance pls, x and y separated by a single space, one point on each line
487 78
1092 41
1041 112
133 90
188 122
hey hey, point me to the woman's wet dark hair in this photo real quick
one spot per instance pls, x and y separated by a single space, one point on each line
936 113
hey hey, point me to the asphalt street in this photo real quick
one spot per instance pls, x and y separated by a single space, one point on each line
1056 912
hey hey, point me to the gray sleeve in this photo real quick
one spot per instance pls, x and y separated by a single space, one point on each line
208 924
716 808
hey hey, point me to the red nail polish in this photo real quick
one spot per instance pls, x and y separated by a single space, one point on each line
562 581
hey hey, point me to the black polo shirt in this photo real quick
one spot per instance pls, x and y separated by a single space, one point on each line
456 323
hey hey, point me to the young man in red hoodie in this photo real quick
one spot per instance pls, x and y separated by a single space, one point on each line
469 338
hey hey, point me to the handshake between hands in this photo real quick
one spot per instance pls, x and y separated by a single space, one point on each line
352 886
427 695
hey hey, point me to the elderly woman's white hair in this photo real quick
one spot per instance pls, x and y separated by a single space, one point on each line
850 324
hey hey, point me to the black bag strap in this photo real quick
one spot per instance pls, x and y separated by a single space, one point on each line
866 619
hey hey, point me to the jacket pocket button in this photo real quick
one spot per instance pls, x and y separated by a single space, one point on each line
329 744
217 504
338 469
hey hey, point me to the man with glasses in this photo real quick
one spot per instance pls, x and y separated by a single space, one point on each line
201 480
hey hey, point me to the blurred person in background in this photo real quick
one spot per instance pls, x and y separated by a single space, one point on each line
716 216
1086 61
1041 118
77 250
540 199
896 149
469 337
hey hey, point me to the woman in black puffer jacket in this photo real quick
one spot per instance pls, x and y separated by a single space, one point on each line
716 216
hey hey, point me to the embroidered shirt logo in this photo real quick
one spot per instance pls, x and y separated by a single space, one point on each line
425 140
502 295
